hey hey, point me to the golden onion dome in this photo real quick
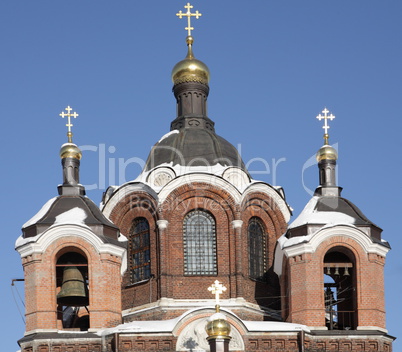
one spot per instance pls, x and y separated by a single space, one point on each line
326 152
190 69
70 150
218 326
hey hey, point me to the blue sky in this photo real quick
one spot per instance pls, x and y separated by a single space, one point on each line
275 64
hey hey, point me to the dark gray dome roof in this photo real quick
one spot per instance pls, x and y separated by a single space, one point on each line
193 147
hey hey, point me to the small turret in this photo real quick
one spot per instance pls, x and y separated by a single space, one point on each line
326 158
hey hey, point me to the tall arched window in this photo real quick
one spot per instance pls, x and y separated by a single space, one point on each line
340 289
257 249
140 254
199 244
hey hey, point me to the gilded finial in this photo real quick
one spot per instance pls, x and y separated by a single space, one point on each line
217 289
69 115
189 14
326 117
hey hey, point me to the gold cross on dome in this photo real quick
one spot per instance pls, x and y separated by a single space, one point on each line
325 117
189 14
217 289
69 115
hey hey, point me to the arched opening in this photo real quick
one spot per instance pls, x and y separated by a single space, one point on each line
340 289
72 291
199 244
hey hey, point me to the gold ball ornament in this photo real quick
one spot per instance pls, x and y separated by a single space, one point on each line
326 152
70 150
218 326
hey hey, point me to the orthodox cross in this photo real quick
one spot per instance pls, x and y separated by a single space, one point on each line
326 117
217 289
69 115
189 14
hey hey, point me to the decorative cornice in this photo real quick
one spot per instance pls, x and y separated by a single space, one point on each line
69 231
312 244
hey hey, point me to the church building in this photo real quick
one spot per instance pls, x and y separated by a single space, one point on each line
194 251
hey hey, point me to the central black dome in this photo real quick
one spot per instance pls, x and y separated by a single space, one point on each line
193 147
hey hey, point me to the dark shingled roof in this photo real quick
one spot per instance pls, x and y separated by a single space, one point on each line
194 147
95 220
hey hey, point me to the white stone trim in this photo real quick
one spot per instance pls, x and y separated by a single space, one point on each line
57 232
267 189
122 192
340 230
162 224
237 224
372 328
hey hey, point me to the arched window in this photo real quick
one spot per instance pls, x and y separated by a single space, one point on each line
73 294
199 244
257 249
139 248
340 290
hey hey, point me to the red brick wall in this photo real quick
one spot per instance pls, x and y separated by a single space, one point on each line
40 285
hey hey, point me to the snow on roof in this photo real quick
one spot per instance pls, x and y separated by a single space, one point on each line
73 216
168 134
143 326
40 214
310 215
273 326
168 326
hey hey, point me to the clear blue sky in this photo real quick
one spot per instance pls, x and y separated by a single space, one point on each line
274 65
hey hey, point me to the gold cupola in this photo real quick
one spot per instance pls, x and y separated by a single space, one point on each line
70 150
326 152
190 69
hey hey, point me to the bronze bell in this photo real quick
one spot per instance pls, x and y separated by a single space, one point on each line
74 290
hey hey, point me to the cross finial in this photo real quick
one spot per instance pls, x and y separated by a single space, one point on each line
69 115
189 14
326 117
217 289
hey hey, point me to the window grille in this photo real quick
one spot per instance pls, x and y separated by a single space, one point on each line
199 244
257 249
140 255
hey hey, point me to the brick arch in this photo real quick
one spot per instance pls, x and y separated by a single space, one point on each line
368 274
209 192
134 203
132 206
46 289
257 203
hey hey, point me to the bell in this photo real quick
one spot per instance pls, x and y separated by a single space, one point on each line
328 270
346 273
337 270
73 291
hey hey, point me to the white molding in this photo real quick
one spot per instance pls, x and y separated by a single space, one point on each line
237 224
339 230
267 189
123 191
69 231
371 328
162 224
